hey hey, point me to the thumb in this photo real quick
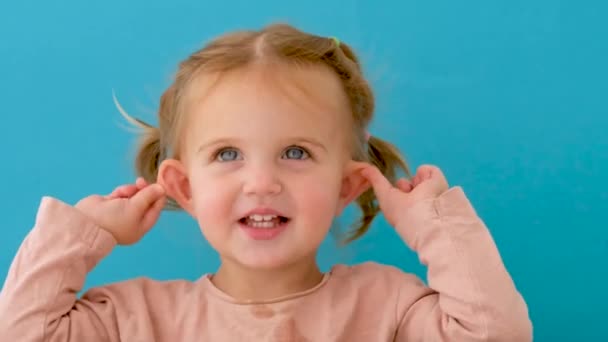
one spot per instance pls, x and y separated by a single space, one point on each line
146 197
153 214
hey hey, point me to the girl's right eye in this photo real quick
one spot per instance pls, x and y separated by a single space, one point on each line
228 154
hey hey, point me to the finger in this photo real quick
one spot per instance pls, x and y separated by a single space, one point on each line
380 184
128 191
439 178
433 176
404 185
141 183
424 172
123 191
417 179
146 197
119 189
428 172
153 213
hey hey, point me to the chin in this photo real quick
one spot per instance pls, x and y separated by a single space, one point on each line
265 261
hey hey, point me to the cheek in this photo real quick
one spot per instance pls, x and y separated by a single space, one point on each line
319 195
212 198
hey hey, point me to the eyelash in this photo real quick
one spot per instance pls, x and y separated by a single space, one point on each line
216 155
306 152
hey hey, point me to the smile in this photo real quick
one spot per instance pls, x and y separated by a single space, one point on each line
263 221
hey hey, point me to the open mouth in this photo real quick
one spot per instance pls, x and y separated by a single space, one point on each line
264 221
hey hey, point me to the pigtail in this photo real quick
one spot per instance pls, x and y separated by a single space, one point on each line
148 157
387 158
151 149
382 154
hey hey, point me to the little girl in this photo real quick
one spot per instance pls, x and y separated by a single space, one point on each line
262 139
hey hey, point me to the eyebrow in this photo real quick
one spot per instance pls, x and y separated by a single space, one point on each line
221 141
310 141
232 142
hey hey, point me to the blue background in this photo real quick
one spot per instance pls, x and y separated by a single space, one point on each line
507 97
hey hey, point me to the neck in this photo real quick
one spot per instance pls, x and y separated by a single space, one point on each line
242 283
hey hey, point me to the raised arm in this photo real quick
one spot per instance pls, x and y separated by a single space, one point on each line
470 295
38 299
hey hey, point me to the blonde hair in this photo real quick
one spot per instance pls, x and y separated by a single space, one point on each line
293 46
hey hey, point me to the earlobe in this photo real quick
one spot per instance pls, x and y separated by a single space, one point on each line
173 177
353 185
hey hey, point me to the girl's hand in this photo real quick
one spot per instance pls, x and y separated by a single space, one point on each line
129 212
395 201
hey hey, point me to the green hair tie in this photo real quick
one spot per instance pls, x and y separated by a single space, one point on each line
336 40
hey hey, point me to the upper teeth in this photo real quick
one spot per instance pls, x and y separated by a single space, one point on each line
262 217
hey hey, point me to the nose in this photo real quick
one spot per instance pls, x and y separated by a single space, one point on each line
262 181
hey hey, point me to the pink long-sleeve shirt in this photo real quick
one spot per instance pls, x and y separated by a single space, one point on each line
469 297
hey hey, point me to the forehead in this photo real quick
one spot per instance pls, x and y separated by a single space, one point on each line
273 99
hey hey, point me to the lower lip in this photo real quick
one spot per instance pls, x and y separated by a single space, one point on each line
263 233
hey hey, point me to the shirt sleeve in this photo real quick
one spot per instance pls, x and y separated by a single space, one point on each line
39 301
470 294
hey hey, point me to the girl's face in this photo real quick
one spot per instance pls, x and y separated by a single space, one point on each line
266 165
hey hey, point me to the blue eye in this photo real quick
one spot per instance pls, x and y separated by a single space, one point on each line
296 153
228 154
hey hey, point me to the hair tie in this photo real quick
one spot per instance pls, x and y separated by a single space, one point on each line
367 135
336 40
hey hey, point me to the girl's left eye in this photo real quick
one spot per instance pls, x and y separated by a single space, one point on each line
296 153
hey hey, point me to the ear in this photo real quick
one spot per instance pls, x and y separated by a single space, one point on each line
353 184
173 177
